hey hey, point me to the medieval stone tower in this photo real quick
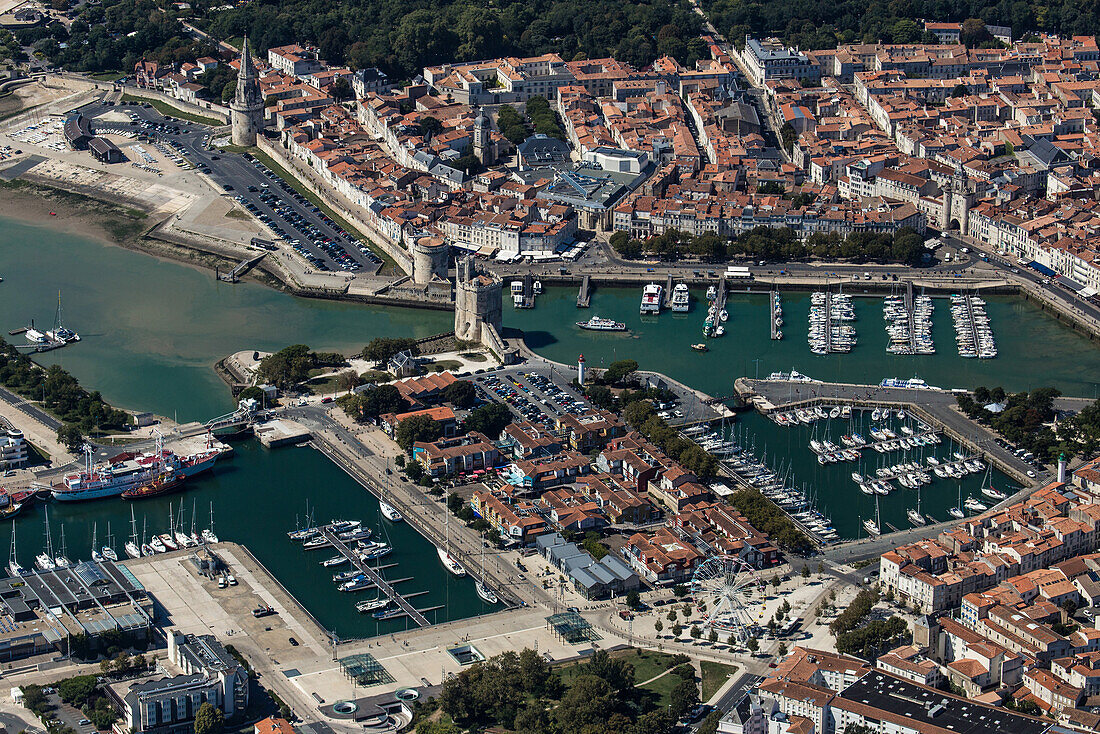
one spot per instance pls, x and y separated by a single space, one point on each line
429 255
958 197
247 107
483 146
478 302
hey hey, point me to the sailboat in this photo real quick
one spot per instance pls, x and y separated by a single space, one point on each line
208 534
987 487
873 526
13 565
956 511
183 540
96 555
60 333
132 547
487 595
389 512
915 515
108 550
61 559
448 561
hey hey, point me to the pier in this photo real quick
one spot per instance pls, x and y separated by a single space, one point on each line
716 308
829 321
774 314
379 583
584 296
243 267
667 295
910 315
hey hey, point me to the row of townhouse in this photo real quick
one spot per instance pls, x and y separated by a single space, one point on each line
1052 525
819 692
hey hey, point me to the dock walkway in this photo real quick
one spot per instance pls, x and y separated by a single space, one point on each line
380 583
584 297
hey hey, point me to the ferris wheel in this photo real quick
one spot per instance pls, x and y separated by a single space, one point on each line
733 594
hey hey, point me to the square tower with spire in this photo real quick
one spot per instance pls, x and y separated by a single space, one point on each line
247 108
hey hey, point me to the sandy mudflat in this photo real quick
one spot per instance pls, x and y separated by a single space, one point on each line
70 217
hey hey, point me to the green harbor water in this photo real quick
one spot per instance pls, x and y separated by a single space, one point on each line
1035 350
153 329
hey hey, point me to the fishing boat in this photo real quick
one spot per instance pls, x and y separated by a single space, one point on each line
163 483
389 512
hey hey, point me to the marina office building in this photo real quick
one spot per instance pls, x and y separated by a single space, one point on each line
44 611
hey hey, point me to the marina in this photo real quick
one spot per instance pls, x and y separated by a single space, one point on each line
775 315
830 330
973 333
909 323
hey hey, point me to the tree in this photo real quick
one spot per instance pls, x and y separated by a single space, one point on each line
752 645
76 690
417 428
460 393
805 571
677 630
70 436
618 371
713 636
696 633
680 591
671 615
684 697
633 600
588 702
209 719
489 419
782 649
341 90
380 349
776 582
287 367
658 626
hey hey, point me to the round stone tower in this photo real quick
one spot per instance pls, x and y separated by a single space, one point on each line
429 255
246 111
478 301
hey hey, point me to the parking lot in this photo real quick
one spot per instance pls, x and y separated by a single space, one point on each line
533 395
289 216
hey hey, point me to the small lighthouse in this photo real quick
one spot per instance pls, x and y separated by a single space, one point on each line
580 370
1062 468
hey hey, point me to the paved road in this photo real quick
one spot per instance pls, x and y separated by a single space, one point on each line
18 401
236 171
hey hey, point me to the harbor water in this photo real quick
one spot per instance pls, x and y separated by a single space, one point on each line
152 330
258 495
1035 349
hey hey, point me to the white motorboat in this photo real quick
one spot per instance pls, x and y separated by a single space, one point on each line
389 512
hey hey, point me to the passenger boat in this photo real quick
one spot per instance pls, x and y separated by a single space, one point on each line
129 470
651 299
598 324
681 299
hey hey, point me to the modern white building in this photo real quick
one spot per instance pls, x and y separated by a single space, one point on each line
13 449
